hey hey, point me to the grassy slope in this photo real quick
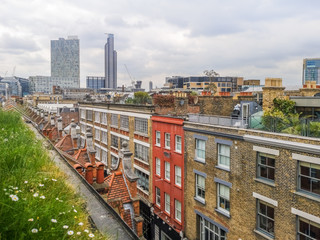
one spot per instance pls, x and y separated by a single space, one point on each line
31 187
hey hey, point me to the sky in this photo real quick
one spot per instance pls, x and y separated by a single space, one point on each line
253 39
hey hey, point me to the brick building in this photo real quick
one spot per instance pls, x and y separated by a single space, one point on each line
249 184
111 125
168 176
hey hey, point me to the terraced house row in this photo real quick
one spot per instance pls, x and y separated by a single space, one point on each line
206 181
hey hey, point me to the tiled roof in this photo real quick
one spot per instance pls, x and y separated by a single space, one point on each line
65 144
127 217
82 156
118 188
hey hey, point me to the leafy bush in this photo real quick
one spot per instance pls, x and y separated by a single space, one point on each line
35 201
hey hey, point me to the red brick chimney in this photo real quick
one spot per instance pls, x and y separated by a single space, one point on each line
100 173
73 133
89 173
59 126
78 168
90 148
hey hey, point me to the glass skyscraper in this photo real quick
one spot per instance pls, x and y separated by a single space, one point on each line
65 61
311 70
110 63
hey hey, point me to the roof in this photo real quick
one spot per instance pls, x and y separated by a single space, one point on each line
118 188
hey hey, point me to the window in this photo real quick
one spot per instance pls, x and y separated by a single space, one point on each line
83 113
158 169
200 187
177 171
309 177
167 171
143 181
114 120
224 156
97 152
177 212
308 230
158 139
265 218
104 119
105 137
167 140
104 157
114 161
89 115
178 143
114 141
223 198
141 125
158 197
167 203
97 134
200 149
97 117
141 152
266 166
210 231
124 122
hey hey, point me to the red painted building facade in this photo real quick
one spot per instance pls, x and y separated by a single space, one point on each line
168 176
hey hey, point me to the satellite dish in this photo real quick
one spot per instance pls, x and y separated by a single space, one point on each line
181 102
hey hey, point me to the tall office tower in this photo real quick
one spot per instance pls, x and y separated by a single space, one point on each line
110 63
65 61
311 70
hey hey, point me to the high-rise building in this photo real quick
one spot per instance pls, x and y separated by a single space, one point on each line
65 61
110 63
311 70
95 82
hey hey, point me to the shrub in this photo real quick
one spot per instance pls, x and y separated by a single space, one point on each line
164 100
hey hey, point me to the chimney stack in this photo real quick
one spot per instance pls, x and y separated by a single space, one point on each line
46 117
78 168
90 148
89 173
73 133
100 173
52 121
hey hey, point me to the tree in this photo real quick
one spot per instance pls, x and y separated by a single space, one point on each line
141 98
212 86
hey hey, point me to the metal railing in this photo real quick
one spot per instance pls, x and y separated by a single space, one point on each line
218 120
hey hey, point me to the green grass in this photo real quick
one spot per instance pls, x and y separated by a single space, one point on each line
34 196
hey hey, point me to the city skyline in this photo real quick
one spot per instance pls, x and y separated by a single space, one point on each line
253 40
110 61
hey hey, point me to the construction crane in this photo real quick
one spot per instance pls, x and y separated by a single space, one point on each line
132 81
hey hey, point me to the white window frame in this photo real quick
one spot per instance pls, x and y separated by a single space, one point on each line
104 119
158 197
114 120
83 113
167 203
97 117
202 188
167 170
89 115
167 140
97 155
200 151
124 122
141 152
104 157
141 125
222 195
220 156
177 205
97 134
178 144
158 166
104 137
158 138
177 176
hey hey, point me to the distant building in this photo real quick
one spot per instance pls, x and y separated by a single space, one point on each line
95 82
224 84
150 86
110 63
14 86
65 61
311 70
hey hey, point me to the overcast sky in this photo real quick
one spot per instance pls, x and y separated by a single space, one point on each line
253 39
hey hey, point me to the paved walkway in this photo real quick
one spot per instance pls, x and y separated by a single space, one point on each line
105 222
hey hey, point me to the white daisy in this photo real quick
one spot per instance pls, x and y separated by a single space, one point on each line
42 197
65 226
30 220
80 223
36 194
34 230
91 235
86 230
78 233
70 232
74 210
41 185
54 180
54 220
15 198
25 181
